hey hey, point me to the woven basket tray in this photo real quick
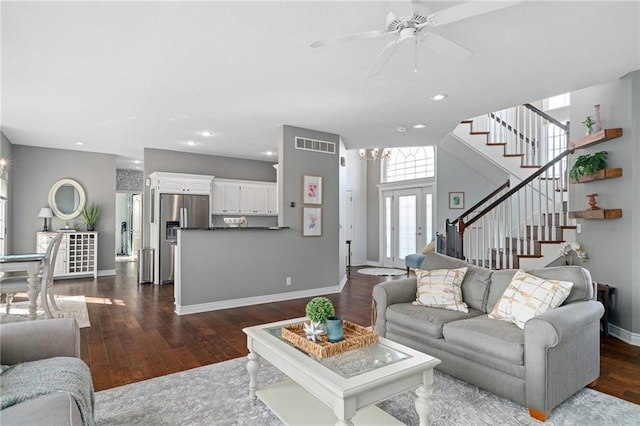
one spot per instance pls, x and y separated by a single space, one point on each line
355 337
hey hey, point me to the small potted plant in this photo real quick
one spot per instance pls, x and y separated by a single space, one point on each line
589 122
90 214
319 309
588 164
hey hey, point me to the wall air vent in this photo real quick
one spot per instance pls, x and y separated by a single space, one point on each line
315 145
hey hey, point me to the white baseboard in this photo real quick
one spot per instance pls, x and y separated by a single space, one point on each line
257 300
106 272
358 262
372 263
624 335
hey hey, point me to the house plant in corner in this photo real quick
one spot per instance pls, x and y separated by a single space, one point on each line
588 164
90 214
318 310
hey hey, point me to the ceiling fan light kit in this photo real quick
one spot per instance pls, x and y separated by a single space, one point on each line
412 29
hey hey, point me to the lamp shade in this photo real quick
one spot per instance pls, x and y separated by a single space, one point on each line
45 212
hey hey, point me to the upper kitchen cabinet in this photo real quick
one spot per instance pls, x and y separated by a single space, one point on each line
245 197
180 183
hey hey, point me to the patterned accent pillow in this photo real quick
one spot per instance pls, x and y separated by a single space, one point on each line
528 296
441 288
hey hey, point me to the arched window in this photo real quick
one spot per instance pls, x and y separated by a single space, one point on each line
409 163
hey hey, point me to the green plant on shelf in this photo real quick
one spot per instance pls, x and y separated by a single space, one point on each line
588 164
589 122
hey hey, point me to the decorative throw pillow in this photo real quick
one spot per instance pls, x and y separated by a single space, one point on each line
429 248
528 296
441 288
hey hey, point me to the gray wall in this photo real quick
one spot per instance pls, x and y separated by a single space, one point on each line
158 160
613 246
257 262
373 212
34 170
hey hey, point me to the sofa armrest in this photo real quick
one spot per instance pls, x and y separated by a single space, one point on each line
390 293
562 353
34 340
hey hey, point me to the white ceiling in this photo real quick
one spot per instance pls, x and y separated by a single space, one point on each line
123 76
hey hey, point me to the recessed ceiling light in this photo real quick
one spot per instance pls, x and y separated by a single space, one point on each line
190 143
439 97
206 133
419 126
269 153
402 129
79 143
137 161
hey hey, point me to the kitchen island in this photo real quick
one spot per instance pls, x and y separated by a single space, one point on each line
224 267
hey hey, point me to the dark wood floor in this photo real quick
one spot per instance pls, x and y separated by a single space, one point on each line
135 335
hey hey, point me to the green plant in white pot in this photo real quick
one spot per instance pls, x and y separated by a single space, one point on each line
90 215
319 309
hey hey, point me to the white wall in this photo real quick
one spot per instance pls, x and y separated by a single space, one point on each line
357 184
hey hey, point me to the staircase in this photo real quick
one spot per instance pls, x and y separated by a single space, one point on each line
518 226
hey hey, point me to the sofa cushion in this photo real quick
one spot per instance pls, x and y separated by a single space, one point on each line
424 319
440 288
583 288
527 296
481 334
57 408
475 286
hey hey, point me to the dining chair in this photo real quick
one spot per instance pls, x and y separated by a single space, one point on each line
12 285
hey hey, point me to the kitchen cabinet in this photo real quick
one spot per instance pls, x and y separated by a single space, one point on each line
245 197
77 254
181 183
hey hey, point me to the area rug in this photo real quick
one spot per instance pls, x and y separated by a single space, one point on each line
217 395
382 271
70 307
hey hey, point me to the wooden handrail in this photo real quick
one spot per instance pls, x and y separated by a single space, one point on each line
481 202
519 186
547 116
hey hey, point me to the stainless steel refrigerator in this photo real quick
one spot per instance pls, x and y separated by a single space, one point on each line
178 211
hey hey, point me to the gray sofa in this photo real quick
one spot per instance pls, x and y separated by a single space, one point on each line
557 353
42 341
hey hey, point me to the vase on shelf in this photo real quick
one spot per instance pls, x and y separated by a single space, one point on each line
596 114
592 201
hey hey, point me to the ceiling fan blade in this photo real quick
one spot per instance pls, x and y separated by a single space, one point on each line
419 8
466 10
446 47
349 37
382 59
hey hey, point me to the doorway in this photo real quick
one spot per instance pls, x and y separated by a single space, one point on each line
128 226
407 223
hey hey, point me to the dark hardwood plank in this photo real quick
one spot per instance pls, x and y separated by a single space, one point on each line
135 335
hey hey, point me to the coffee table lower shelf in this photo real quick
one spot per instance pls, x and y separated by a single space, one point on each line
296 406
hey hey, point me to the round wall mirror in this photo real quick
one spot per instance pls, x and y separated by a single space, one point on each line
66 199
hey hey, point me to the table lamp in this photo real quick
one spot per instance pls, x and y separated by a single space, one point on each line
45 213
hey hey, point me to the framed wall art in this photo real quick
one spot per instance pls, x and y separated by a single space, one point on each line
456 200
312 190
312 221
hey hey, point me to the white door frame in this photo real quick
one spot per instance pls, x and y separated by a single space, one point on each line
423 187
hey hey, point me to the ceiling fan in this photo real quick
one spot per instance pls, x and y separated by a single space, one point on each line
415 29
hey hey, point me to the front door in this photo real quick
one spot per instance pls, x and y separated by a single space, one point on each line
407 223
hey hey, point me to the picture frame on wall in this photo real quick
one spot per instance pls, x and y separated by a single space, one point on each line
456 200
312 221
312 190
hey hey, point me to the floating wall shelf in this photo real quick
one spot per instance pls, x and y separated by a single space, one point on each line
595 138
599 175
596 214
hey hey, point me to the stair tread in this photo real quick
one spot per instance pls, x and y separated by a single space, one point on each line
550 241
529 256
496 143
568 227
530 166
466 122
513 155
479 133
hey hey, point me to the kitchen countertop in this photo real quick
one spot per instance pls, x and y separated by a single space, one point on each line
244 228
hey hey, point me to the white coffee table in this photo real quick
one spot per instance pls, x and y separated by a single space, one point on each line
344 386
